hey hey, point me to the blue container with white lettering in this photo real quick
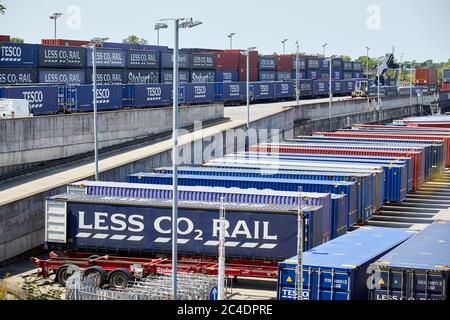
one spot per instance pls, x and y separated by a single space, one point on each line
137 76
203 76
147 95
265 75
337 270
227 76
118 224
18 55
320 88
167 76
18 76
107 58
80 98
62 76
314 74
62 57
263 90
107 76
301 75
42 99
199 93
233 91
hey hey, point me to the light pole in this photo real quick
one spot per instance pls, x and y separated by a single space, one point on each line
178 23
55 17
330 92
93 45
159 26
323 47
297 71
400 69
367 75
231 39
248 85
410 87
284 45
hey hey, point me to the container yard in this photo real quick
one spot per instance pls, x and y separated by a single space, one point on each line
150 170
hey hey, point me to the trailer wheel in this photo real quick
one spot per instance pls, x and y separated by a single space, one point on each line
96 272
119 278
64 273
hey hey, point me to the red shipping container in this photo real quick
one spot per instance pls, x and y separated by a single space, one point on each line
5 38
426 76
417 157
227 60
401 136
285 62
445 86
64 42
253 74
253 60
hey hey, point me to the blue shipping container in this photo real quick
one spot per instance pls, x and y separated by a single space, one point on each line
263 90
357 66
337 74
147 95
313 63
320 88
80 98
446 75
62 57
324 64
314 74
267 63
301 75
18 55
127 46
203 61
107 58
42 100
107 76
203 76
233 91
227 76
143 59
284 90
301 63
167 76
348 66
347 75
356 75
271 232
184 60
62 76
418 269
267 76
337 270
17 76
284 75
141 76
306 88
199 93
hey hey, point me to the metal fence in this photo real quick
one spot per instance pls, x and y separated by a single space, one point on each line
190 287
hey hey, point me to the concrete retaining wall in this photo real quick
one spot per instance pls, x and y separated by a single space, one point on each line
33 140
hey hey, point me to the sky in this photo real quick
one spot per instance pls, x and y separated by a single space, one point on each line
417 28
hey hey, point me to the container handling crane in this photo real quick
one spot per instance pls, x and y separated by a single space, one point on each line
362 87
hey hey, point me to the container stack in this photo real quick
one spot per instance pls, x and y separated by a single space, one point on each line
253 65
268 69
445 80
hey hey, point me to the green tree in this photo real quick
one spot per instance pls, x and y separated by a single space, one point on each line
132 39
346 58
17 40
2 9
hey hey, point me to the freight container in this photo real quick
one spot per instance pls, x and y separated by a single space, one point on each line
80 98
418 166
184 60
58 76
337 270
337 88
233 91
306 88
263 90
337 187
126 225
337 63
347 75
203 61
320 88
349 86
314 74
227 76
143 59
17 76
129 46
324 64
61 57
147 95
4 38
227 60
356 74
418 269
324 75
348 66
107 76
313 63
337 74
426 76
445 86
286 62
135 76
365 187
301 75
18 55
208 194
267 75
167 76
42 99
284 90
253 74
253 59
357 66
203 76
199 93
284 75
268 63
107 58
65 42
446 75
301 63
